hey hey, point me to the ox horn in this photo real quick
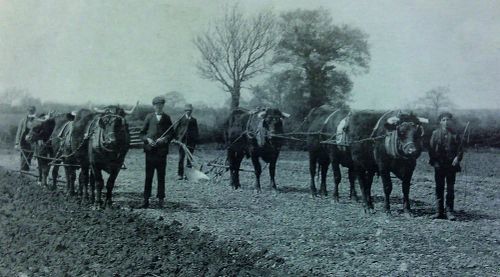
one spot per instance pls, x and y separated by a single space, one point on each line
422 131
133 109
44 118
393 120
99 110
261 114
423 120
286 115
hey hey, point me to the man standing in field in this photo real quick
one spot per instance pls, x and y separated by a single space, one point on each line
445 153
156 133
21 144
187 133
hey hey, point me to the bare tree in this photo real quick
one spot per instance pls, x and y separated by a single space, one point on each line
436 100
234 49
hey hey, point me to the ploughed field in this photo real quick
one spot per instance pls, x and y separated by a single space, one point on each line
209 229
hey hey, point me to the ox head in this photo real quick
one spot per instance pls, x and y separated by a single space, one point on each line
273 120
41 128
409 131
113 127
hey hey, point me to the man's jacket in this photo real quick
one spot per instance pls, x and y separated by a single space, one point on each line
444 147
187 130
23 129
154 129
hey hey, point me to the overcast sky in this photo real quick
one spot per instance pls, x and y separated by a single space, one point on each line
116 51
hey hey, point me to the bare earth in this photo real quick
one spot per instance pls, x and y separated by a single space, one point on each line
209 229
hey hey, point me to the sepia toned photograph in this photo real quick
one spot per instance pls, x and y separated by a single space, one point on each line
249 138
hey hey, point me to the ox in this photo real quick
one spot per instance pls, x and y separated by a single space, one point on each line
49 135
385 143
322 124
250 134
100 141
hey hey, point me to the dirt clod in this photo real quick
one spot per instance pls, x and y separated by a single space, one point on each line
43 234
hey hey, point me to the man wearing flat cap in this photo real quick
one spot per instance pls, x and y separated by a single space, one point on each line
156 133
445 153
21 144
187 133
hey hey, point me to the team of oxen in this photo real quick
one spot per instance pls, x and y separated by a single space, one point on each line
365 142
92 141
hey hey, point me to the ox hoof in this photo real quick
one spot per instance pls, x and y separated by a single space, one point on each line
257 191
336 198
407 214
354 197
99 205
438 216
369 211
108 204
236 187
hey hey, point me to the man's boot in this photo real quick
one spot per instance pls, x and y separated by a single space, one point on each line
439 210
450 213
145 204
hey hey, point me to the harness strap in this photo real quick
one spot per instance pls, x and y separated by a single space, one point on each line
328 119
341 135
378 123
259 133
391 144
63 129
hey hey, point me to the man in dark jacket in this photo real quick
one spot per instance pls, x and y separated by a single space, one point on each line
187 133
21 144
445 153
156 134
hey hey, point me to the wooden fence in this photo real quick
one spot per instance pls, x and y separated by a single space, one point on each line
135 138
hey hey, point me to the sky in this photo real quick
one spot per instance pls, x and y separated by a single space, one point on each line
121 51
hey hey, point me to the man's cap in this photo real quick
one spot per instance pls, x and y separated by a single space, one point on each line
445 114
31 109
188 107
158 100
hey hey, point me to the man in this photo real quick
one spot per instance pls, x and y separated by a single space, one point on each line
156 135
187 133
445 153
21 143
